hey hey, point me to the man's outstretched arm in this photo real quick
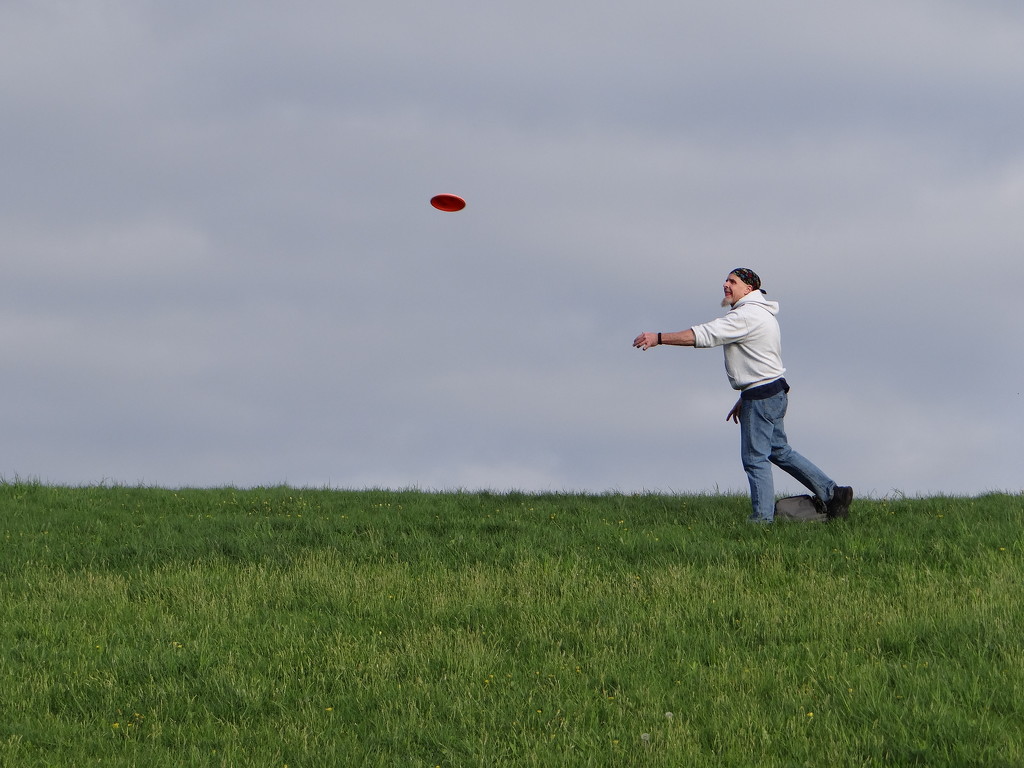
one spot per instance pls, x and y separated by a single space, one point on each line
674 339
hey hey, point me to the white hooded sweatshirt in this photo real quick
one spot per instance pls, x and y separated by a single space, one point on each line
752 340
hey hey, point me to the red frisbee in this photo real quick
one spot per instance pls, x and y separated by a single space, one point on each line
448 203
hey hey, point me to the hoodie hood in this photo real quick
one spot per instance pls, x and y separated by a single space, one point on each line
757 297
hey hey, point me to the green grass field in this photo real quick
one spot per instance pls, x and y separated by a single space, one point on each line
287 627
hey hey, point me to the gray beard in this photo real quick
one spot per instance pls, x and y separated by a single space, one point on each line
726 303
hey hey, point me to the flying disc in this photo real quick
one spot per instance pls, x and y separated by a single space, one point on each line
448 203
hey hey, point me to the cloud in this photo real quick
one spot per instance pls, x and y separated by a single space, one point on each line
222 268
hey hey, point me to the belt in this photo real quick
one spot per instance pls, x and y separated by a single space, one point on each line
770 389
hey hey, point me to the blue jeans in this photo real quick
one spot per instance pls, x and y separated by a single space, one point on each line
763 443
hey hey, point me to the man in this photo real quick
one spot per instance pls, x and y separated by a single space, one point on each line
750 337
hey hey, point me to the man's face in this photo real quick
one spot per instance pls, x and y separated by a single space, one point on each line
735 289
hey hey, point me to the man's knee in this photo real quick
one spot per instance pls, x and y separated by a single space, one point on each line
781 455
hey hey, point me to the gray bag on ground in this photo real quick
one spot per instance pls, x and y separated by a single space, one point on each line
801 509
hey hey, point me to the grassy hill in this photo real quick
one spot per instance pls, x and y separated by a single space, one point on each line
283 626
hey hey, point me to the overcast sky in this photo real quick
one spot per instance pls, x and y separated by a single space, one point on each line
220 265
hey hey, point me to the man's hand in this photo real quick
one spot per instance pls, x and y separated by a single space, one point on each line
645 341
734 414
